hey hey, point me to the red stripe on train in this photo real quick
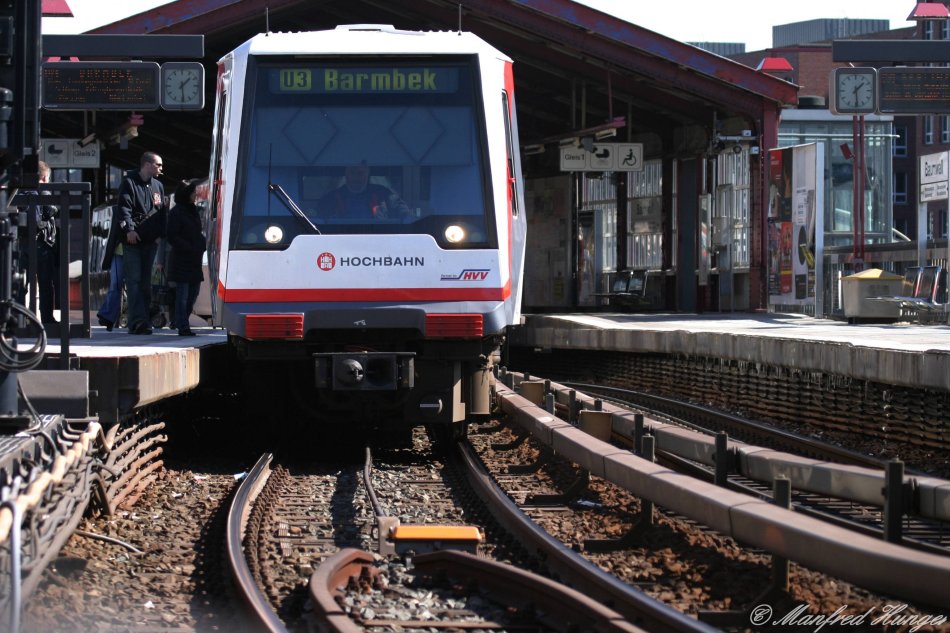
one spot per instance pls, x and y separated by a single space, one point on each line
242 295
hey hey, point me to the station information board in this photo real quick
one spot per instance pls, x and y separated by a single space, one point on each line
100 85
913 90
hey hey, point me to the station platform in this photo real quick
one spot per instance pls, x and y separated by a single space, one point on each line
112 374
903 354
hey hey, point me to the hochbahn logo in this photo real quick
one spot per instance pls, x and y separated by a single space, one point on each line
327 261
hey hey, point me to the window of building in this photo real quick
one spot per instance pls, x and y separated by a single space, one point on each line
733 202
944 128
599 195
900 141
928 129
900 187
928 29
945 29
645 217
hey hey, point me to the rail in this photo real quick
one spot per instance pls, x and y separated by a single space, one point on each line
254 599
562 608
623 598
857 478
865 561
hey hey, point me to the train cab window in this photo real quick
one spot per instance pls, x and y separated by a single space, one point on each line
389 145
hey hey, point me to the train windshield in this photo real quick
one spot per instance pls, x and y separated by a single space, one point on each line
374 146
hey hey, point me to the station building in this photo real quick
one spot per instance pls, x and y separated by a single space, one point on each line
687 220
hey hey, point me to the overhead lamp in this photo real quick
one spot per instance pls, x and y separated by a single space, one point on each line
929 11
88 140
600 132
531 150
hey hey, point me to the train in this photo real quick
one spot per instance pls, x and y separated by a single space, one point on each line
366 219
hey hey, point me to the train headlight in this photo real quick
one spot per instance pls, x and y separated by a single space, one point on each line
274 234
454 234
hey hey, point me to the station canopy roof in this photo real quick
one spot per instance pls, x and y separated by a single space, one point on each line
575 68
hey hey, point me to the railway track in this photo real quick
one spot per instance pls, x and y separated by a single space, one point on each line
513 599
440 502
711 420
295 519
795 537
915 531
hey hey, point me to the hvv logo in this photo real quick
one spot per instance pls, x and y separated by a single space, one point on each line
468 274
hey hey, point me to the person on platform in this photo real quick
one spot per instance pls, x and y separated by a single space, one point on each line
138 223
187 246
111 307
47 253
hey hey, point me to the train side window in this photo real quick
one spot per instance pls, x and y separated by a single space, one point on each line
509 140
219 147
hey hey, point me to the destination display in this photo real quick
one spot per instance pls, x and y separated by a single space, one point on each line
376 80
915 90
100 85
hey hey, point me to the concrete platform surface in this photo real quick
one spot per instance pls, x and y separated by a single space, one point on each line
115 373
900 353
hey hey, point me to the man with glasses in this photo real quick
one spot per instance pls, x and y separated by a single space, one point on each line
139 221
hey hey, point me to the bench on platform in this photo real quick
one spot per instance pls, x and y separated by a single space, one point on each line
628 290
923 293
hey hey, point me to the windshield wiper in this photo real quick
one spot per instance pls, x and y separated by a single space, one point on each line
284 197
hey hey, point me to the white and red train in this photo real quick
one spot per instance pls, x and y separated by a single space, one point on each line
390 302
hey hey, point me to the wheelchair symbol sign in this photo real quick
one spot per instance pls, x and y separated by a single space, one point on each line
629 156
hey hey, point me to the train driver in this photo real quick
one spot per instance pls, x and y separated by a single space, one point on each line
358 198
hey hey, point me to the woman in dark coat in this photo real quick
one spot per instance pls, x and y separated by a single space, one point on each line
187 246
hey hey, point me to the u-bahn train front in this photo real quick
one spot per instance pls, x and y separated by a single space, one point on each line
394 311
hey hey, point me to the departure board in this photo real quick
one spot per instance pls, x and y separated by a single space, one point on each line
916 90
100 85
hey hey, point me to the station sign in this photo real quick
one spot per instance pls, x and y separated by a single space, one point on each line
603 157
100 85
137 85
67 152
890 90
934 177
924 90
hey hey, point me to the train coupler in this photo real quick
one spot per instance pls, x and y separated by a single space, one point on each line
364 371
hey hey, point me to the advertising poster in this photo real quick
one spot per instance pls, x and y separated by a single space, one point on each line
796 196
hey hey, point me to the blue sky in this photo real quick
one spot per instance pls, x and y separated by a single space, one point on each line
747 21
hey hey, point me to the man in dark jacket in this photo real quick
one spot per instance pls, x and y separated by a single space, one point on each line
188 245
47 254
140 220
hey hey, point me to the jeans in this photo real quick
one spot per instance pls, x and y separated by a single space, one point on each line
185 295
112 305
138 283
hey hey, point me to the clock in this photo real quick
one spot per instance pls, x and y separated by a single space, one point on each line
854 90
183 86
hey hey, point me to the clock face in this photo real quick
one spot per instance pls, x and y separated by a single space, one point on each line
855 90
182 86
